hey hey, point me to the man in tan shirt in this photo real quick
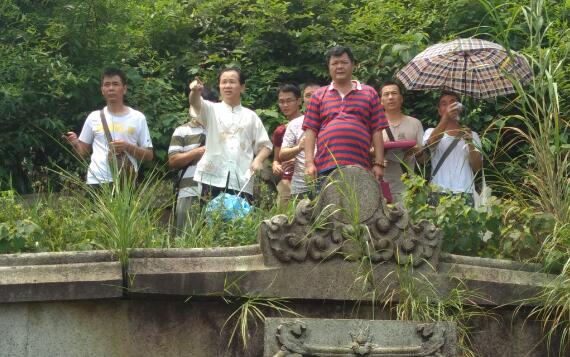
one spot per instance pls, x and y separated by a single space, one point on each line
403 127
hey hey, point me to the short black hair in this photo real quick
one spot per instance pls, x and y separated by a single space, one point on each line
209 93
235 69
391 83
447 92
112 71
338 51
310 84
289 88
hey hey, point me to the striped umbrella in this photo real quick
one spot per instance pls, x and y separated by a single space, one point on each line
470 66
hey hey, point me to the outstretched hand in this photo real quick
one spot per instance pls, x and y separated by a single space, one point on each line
196 84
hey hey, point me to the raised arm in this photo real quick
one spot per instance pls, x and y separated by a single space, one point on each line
475 157
194 98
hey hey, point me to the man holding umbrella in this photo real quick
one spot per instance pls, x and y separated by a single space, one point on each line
472 67
455 150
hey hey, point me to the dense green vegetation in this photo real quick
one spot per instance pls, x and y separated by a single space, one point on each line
52 51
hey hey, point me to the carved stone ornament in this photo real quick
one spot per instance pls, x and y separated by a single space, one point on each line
430 341
350 220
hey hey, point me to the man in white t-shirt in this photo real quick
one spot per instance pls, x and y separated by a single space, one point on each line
237 141
401 127
128 128
294 143
456 172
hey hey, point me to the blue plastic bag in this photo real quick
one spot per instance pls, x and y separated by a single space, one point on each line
231 206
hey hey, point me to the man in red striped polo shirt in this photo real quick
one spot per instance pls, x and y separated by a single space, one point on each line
344 118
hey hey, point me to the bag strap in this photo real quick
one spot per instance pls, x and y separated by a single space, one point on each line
445 155
106 127
177 187
391 137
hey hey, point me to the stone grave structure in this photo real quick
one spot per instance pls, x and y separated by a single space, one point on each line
184 302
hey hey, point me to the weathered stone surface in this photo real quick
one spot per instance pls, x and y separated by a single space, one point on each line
330 280
53 258
167 328
327 337
59 276
350 221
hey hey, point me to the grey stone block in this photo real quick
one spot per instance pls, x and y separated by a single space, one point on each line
61 282
328 337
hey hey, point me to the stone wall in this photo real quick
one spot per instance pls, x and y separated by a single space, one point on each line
66 304
176 302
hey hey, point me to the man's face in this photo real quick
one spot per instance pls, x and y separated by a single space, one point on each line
444 102
340 68
391 97
230 88
113 89
288 103
308 93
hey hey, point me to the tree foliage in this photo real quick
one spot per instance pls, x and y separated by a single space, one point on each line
52 52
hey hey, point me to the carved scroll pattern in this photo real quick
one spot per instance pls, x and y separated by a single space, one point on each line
387 236
292 336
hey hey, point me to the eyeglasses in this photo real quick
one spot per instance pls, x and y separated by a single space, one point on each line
287 101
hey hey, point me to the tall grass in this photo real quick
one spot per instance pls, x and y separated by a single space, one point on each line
126 214
419 299
539 175
251 310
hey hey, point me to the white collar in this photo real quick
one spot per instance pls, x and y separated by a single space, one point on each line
235 109
355 85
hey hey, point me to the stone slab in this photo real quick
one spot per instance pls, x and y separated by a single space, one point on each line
329 280
61 282
53 258
349 337
168 328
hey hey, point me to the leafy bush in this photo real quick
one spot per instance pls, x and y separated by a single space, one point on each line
47 224
52 52
502 229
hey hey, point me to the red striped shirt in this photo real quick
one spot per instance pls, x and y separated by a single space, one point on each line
344 126
288 166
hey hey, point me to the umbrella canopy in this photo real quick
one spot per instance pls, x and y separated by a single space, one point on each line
470 66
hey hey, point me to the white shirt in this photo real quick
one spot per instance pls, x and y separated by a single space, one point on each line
130 127
455 174
292 137
234 136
